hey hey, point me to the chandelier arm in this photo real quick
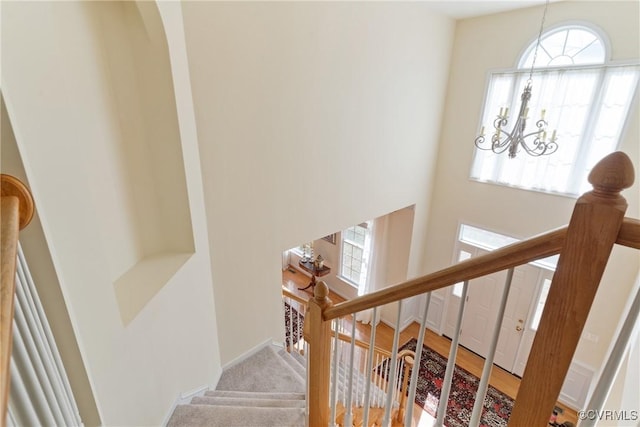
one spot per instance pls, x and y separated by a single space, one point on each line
540 148
535 132
500 143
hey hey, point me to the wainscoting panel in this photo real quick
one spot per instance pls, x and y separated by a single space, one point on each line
434 316
576 386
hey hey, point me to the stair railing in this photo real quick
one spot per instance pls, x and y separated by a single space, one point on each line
16 211
597 223
346 345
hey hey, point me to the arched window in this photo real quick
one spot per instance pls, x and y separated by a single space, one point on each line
585 98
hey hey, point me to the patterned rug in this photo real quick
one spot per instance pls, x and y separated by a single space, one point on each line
294 328
497 405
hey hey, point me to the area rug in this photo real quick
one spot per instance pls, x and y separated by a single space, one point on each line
293 322
497 405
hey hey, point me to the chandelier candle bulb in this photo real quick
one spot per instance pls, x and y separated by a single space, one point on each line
506 112
553 135
544 136
482 131
542 114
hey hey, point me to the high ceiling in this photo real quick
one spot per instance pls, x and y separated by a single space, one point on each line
468 8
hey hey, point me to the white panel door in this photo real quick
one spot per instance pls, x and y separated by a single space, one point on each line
483 299
523 290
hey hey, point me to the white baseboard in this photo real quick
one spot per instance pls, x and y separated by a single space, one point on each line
184 398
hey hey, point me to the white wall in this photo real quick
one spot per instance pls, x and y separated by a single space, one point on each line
312 116
66 66
495 42
47 284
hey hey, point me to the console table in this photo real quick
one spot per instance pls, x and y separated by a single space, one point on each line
310 268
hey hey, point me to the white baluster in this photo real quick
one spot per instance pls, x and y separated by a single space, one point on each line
299 323
384 369
612 366
451 363
392 370
21 404
377 381
335 373
348 416
367 388
44 358
416 365
31 370
41 353
488 363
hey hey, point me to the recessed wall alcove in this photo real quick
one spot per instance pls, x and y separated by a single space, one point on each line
156 236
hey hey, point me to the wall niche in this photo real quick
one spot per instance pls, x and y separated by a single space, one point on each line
150 166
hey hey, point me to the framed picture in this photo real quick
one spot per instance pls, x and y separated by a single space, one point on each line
331 238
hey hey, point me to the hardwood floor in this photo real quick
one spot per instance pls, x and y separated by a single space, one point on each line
500 379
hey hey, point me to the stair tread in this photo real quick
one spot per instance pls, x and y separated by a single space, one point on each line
248 401
254 394
235 416
287 357
263 371
299 358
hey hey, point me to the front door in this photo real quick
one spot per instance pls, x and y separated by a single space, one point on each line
481 309
522 292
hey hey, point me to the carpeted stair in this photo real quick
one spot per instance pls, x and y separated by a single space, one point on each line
264 390
267 389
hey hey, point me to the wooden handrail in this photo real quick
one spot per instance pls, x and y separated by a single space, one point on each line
362 344
629 234
287 293
16 211
532 249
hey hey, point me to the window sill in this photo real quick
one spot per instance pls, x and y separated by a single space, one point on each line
347 281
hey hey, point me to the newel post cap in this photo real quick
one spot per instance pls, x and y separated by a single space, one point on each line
612 174
321 291
11 186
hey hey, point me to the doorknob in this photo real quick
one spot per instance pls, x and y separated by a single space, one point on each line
518 328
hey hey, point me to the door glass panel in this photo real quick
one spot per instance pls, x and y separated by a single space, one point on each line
457 288
542 299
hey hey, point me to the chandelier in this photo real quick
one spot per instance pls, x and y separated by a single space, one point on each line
534 143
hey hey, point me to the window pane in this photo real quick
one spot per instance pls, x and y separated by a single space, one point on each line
565 47
355 253
457 288
347 249
542 299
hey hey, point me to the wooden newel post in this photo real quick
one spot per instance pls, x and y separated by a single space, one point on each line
592 232
16 211
317 333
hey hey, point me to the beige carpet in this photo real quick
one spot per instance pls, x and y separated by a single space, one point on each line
264 390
